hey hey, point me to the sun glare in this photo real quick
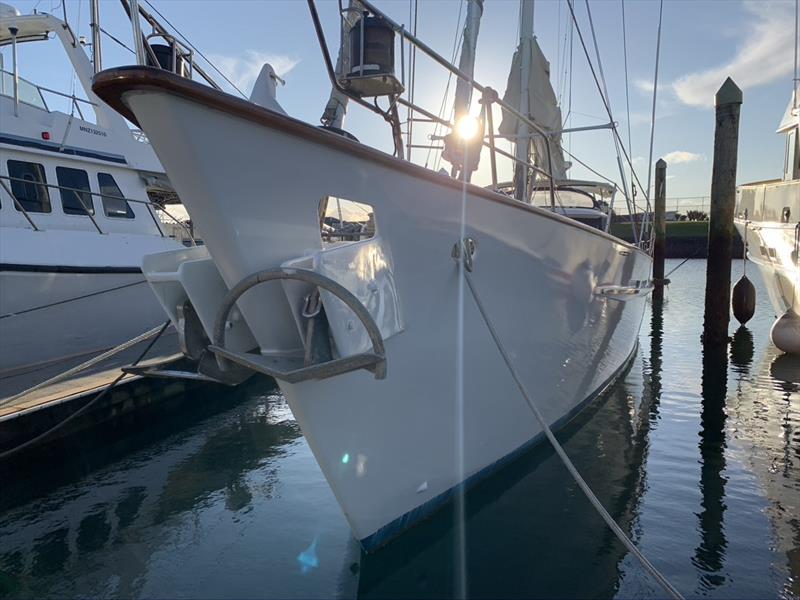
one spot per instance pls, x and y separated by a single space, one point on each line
467 127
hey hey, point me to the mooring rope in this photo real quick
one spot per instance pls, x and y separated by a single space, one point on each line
662 581
68 300
45 434
85 365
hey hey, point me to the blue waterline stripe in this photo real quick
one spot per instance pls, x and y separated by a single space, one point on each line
15 140
388 532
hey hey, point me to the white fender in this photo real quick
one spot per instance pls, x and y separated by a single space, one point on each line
785 332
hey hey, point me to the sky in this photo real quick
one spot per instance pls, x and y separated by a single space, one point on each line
702 42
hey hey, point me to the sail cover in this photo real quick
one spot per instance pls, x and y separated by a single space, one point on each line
543 108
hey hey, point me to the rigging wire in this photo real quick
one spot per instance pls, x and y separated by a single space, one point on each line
627 86
653 117
597 83
607 100
412 73
195 49
568 120
796 42
456 40
118 41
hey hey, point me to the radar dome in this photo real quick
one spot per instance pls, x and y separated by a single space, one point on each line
7 11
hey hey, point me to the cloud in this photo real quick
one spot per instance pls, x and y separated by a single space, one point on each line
646 86
682 156
244 69
764 56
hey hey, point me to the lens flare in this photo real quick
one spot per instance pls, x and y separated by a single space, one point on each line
467 127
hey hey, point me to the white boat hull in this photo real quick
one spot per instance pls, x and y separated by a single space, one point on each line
772 246
51 316
567 301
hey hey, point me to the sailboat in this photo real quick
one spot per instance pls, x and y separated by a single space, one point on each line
385 356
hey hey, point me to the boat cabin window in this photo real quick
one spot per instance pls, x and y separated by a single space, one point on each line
28 92
29 186
73 201
114 204
345 220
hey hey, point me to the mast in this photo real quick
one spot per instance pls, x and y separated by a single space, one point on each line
335 110
97 58
523 143
466 62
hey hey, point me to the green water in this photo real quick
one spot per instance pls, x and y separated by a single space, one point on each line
698 461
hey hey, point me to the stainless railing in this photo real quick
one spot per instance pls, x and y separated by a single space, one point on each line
33 94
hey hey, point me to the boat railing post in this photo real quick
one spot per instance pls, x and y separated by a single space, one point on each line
550 169
488 103
86 209
13 31
137 34
19 206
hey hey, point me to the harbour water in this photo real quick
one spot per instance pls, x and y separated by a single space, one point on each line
697 459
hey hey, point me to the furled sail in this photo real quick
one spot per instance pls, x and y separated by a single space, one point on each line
543 108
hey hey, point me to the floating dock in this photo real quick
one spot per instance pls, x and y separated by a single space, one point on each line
45 415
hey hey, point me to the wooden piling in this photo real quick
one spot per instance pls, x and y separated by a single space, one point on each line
728 101
660 230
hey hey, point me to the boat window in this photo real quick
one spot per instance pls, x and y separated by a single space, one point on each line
73 201
28 184
114 204
345 220
28 92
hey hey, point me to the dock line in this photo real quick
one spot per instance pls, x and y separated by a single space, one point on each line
158 332
89 363
626 541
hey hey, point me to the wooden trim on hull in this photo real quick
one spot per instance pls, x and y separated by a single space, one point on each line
112 85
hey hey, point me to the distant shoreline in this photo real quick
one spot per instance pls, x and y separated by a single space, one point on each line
685 239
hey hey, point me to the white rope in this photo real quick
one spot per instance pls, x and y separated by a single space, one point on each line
662 581
83 366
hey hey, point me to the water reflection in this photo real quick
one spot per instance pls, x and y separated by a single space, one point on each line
106 533
709 556
531 519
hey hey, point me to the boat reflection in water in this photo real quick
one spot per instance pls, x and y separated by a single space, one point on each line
207 508
766 408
